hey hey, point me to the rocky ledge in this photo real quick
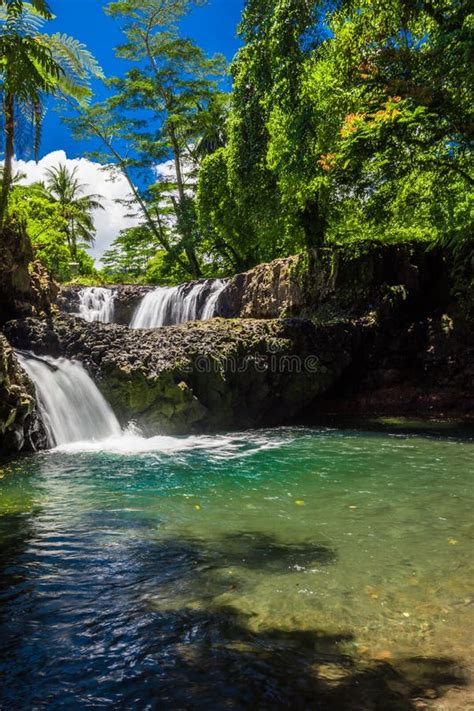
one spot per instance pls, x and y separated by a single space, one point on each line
203 375
20 426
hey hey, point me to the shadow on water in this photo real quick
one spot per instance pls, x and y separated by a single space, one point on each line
246 549
453 429
141 626
16 530
226 666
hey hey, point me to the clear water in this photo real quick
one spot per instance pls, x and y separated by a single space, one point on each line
293 568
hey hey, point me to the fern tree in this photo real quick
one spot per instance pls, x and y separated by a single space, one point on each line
33 66
63 188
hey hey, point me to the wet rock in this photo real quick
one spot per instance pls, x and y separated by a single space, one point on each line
20 425
127 299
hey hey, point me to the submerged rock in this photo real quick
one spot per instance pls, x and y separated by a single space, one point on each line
20 426
200 375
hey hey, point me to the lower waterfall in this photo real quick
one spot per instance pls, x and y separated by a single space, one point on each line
96 304
71 405
166 306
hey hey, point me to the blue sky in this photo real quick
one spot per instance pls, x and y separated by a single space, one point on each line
213 27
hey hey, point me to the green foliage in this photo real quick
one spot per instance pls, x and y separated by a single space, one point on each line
33 66
129 255
63 188
163 270
349 121
174 88
228 235
46 226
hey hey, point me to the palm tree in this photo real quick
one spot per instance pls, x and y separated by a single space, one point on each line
76 207
15 178
34 65
210 126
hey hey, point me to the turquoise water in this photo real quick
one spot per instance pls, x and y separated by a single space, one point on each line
291 568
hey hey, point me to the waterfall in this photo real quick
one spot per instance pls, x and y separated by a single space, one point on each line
71 406
209 310
166 306
96 304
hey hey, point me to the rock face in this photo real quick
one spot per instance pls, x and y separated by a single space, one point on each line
20 426
333 283
68 298
419 358
270 290
202 375
127 300
385 331
342 283
26 288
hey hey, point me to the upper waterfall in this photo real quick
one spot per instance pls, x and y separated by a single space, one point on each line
71 405
96 304
166 306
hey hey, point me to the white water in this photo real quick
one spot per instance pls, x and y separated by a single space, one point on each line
166 306
96 304
79 419
216 446
71 405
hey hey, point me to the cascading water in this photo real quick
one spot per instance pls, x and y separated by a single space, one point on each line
209 309
72 408
96 304
166 306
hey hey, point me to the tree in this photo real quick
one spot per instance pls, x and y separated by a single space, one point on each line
348 119
208 127
278 36
63 188
41 6
171 86
34 65
388 97
130 253
46 228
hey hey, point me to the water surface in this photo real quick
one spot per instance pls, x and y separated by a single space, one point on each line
291 568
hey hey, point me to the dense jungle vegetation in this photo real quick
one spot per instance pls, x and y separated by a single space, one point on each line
341 122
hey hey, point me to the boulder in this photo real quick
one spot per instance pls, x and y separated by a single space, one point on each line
270 290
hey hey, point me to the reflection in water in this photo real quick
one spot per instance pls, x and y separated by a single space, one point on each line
279 579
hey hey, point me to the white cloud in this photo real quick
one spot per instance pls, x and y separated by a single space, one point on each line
108 222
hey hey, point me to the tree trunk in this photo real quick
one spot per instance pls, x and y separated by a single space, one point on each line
189 251
73 242
9 132
313 220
